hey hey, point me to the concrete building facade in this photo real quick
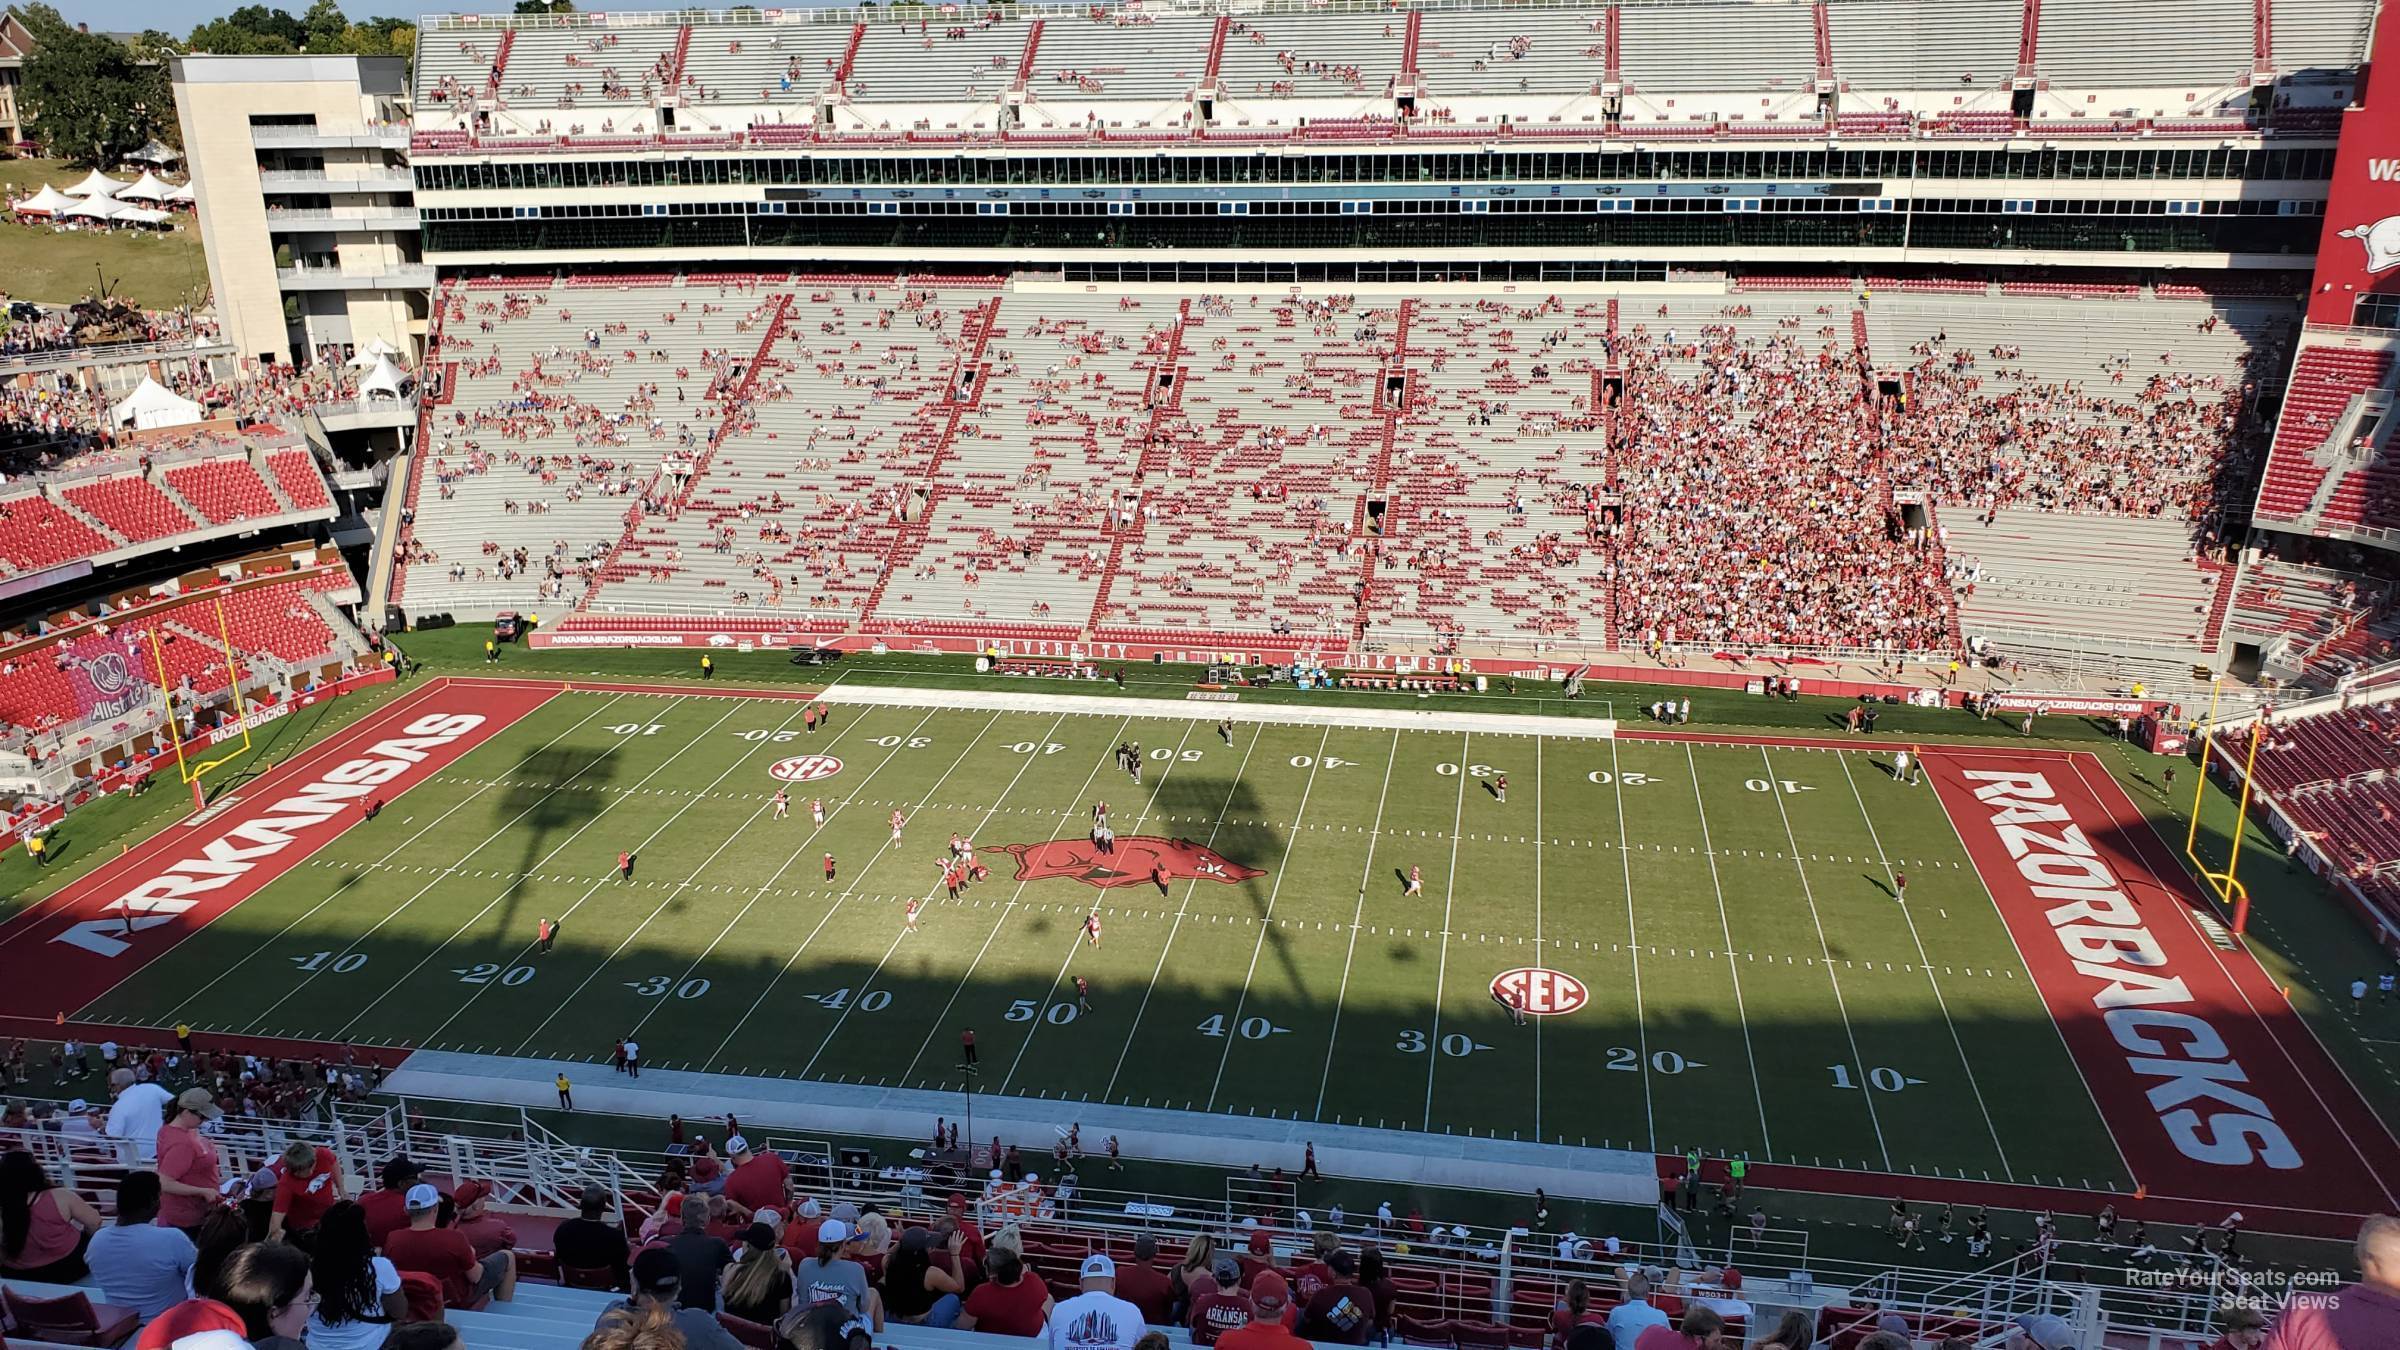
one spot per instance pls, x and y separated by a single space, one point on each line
300 170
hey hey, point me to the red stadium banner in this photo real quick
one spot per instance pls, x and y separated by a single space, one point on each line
2358 254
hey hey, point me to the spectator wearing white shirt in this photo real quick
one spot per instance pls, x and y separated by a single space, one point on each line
134 1120
139 1264
1096 1319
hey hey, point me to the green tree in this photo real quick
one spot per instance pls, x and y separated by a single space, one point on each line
224 37
88 97
327 28
545 6
277 24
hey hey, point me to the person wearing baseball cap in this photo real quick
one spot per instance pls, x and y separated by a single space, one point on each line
387 1206
2041 1331
834 1274
195 1324
485 1231
1096 1319
1343 1311
759 1180
189 1170
1270 1329
657 1286
1223 1307
429 1249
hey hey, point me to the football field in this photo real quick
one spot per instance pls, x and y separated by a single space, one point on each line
1710 934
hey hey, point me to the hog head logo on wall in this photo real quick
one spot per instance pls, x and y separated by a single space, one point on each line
2381 241
1135 861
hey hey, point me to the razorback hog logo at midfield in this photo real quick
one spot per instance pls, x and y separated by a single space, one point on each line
1131 864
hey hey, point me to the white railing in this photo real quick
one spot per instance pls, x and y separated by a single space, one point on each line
388 133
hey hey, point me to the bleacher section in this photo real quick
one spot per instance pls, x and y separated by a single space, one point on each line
118 509
265 618
1724 68
2323 470
2333 775
851 456
2325 624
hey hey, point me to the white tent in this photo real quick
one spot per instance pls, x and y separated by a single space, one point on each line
156 152
373 353
150 189
98 208
155 405
139 215
47 202
96 184
181 194
386 381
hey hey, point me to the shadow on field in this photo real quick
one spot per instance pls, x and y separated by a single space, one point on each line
552 814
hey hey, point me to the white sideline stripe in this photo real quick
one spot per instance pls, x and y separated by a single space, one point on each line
1101 705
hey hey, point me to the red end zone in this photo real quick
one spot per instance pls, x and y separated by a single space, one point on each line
2215 1089
64 952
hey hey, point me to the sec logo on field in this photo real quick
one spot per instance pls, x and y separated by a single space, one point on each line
1546 993
805 768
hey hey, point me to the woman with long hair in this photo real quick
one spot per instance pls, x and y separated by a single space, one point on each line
1197 1274
44 1229
225 1231
358 1293
269 1285
1797 1331
758 1285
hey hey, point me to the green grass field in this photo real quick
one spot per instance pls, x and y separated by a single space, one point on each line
152 269
1753 986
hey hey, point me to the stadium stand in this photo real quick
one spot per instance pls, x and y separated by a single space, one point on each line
1721 69
1462 1288
1460 471
282 625
112 507
2326 466
2331 775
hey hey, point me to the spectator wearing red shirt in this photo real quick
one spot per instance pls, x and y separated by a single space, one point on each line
485 1231
308 1183
447 1256
2361 1316
189 1170
1141 1283
387 1207
800 1235
1268 1330
1011 1303
1223 1308
759 1180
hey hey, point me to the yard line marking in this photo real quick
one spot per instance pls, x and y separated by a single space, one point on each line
1282 870
1641 1021
1537 935
1075 940
193 998
677 889
1360 912
1927 962
1840 1004
848 891
1726 924
899 937
732 707
1441 970
1182 907
806 846
1005 909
